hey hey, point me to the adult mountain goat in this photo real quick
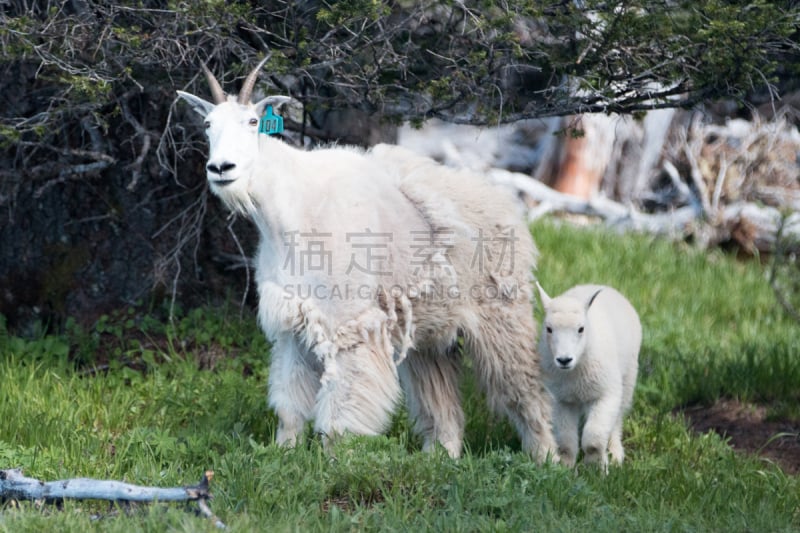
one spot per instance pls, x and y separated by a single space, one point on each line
590 359
370 268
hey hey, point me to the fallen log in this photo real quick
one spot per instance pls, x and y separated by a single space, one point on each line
754 227
16 486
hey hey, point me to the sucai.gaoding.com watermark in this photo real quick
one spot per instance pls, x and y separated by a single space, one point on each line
310 255
346 291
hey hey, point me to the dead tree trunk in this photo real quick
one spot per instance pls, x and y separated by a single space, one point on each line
583 156
615 154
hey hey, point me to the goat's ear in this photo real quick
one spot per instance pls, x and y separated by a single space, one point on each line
591 300
543 295
276 102
203 107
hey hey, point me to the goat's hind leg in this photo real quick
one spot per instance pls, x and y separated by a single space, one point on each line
430 381
508 368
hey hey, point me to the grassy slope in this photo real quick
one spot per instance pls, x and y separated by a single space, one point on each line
711 328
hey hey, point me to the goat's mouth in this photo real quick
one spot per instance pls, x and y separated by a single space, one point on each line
221 182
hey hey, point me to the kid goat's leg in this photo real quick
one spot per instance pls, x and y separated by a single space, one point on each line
430 381
600 422
615 443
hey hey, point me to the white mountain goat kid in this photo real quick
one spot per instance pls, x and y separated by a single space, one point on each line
589 351
371 265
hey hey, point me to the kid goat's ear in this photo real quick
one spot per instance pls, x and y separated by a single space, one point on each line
543 295
203 107
588 305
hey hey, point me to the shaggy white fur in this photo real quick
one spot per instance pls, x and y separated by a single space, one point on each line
590 357
371 266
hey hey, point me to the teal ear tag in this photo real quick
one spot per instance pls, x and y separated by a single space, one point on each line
270 123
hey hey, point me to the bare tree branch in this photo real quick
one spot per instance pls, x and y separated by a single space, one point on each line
16 486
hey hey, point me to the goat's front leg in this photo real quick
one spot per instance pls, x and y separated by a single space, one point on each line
279 310
293 385
359 385
294 376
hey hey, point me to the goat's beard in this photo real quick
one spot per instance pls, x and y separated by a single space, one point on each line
236 197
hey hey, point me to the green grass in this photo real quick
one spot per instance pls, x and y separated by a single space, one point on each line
712 325
169 407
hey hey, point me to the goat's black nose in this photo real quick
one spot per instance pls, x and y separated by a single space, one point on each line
219 169
563 361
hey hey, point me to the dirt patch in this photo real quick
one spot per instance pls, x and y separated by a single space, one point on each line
349 502
750 431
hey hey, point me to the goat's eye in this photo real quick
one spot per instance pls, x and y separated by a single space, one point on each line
549 329
206 124
253 122
580 329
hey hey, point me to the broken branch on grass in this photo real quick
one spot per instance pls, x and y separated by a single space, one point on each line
14 485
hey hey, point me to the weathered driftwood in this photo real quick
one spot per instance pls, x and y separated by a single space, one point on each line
612 213
677 174
14 485
745 222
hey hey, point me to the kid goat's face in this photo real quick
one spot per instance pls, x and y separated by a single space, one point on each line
566 336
